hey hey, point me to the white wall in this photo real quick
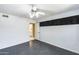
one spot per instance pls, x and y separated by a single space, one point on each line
64 36
13 30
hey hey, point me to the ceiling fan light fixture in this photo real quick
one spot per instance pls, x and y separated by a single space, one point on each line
34 12
34 8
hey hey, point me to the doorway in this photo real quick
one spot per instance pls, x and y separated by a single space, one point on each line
32 32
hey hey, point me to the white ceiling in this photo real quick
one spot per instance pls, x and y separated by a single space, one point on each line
50 9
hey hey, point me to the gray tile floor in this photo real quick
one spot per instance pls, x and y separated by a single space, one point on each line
39 48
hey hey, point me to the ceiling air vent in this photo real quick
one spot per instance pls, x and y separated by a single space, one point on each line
5 16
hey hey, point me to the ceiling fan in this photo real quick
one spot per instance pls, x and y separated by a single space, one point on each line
35 12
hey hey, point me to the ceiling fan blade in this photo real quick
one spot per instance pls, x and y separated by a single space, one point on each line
41 13
31 15
38 14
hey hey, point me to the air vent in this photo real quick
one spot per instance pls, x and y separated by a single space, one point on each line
5 16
